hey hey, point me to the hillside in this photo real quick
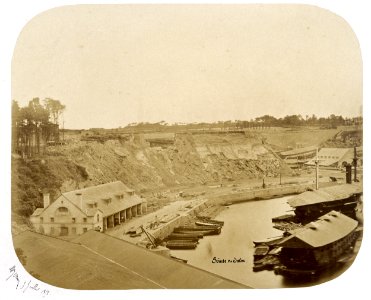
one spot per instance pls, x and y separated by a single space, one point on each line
154 164
187 160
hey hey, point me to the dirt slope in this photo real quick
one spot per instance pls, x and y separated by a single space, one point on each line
191 160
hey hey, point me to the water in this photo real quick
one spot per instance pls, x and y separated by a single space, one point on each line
244 223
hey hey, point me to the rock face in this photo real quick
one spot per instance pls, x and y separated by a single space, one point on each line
190 160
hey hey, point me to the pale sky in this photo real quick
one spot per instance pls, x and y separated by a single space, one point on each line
113 65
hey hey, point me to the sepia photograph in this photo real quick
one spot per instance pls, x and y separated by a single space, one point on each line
179 146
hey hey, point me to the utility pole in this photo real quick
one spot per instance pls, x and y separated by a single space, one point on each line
355 159
317 169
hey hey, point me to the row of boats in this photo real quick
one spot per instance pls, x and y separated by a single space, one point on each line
186 237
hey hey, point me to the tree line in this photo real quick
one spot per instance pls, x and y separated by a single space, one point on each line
35 125
331 121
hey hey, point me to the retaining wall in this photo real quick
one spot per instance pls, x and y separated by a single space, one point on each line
186 216
266 193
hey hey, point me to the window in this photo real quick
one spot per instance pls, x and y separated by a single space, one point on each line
73 220
52 220
74 230
41 220
85 220
52 230
85 229
97 217
62 211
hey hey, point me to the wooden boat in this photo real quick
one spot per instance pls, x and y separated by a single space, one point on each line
183 241
198 223
266 263
190 239
181 245
196 228
193 235
209 220
261 251
214 231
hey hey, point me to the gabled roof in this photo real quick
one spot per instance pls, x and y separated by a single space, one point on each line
331 193
37 212
106 196
329 228
330 156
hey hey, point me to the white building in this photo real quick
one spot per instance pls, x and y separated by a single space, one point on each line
98 207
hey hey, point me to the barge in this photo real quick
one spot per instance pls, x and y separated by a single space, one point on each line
318 245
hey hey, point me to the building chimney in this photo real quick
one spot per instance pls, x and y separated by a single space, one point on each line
348 173
317 169
46 199
355 159
80 196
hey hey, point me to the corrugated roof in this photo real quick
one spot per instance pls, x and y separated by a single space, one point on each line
105 196
329 228
299 151
331 193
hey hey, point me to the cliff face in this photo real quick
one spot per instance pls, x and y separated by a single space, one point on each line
188 160
191 159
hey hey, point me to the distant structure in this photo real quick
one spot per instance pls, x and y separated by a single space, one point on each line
333 157
98 207
313 204
296 158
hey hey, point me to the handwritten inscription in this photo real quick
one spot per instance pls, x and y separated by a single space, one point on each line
24 285
234 260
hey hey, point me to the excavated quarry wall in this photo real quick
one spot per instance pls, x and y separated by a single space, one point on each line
193 159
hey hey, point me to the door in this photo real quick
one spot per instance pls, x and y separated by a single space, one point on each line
64 231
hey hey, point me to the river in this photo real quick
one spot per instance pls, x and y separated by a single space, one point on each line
233 249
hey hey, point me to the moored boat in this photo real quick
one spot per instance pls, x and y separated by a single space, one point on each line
261 251
181 245
209 220
207 224
214 231
197 228
193 235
